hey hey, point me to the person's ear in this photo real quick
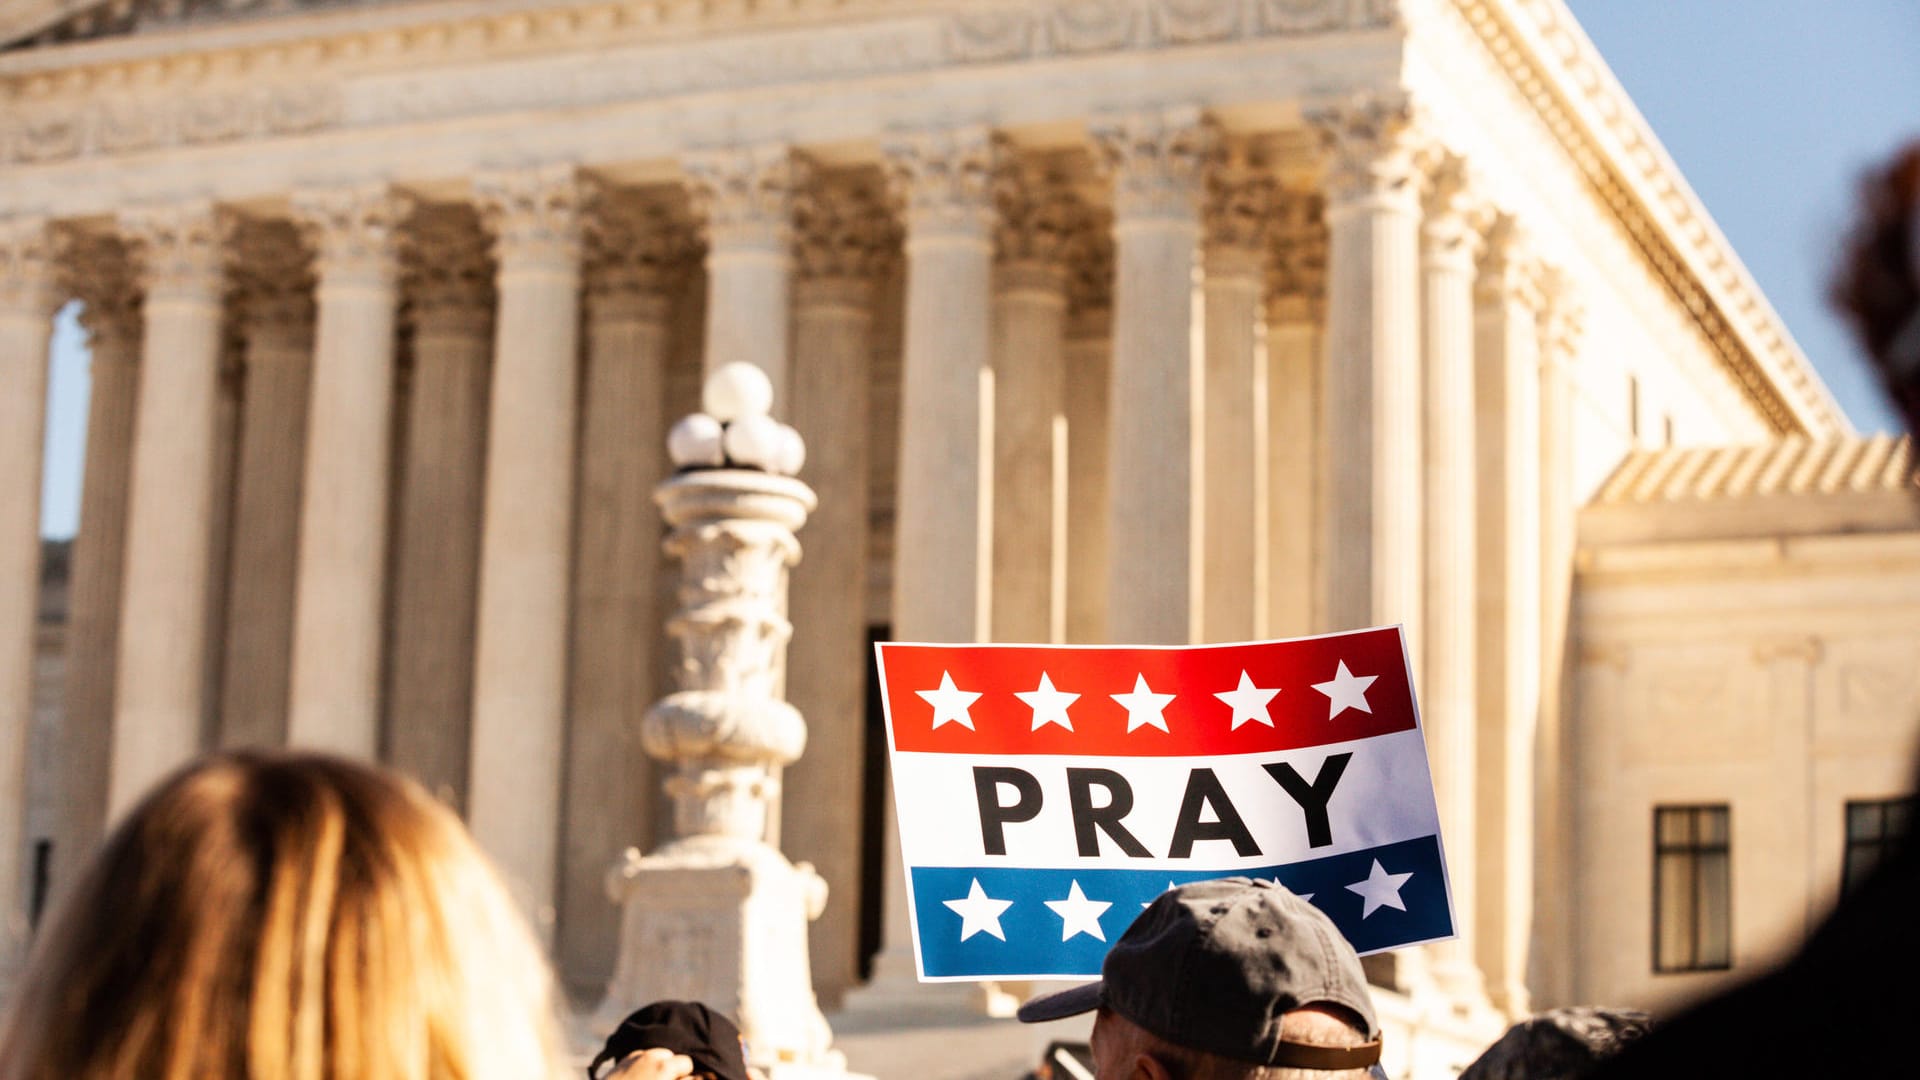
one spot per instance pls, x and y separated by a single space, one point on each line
1147 1067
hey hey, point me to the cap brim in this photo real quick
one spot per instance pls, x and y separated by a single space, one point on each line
1072 1002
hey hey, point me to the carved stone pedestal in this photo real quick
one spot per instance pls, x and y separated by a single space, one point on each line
718 914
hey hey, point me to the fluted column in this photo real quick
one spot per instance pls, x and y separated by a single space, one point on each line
1296 380
1372 405
28 296
1155 454
520 657
1038 214
1089 364
276 327
1449 243
337 632
159 679
636 256
744 197
846 238
1561 326
111 317
1507 391
449 283
1239 202
943 517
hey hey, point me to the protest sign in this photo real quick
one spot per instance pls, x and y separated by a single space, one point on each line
1045 794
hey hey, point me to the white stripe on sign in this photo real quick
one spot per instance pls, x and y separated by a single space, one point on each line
1180 813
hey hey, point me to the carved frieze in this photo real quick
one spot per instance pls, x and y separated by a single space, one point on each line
744 196
1242 197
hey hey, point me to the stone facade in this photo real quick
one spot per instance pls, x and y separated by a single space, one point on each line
1143 320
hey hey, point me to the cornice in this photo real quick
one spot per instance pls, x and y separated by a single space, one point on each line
1549 59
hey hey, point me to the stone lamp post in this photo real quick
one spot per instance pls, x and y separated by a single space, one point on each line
718 914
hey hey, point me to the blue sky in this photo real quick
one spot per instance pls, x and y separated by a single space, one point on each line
1770 107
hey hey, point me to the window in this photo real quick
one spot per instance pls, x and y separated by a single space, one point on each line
1692 889
1874 826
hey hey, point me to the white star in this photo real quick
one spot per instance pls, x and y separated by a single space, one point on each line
1049 705
979 912
1249 702
1170 887
1307 896
1346 691
1079 915
1381 889
1144 707
950 703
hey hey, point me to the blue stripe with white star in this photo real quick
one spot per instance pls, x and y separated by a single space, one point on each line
1015 903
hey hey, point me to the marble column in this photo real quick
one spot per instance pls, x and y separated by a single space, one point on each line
334 697
943 516
1239 202
159 677
1296 378
1561 326
1508 442
1089 364
1371 406
846 239
1449 243
1038 214
111 317
28 298
520 655
448 281
1155 456
276 327
636 255
744 197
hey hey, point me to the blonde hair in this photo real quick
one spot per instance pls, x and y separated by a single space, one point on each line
285 917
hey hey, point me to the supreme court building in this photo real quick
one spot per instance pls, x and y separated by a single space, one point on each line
1140 321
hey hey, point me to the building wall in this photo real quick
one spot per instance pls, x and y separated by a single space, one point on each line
1775 675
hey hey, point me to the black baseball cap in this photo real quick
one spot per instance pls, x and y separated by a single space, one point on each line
1213 965
684 1027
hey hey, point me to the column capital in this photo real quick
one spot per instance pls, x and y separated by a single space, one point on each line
942 182
176 249
444 265
636 250
272 273
1297 257
1241 197
843 232
29 282
744 195
1563 318
353 232
1370 142
1510 272
1453 218
1157 159
1089 261
1037 210
98 269
533 215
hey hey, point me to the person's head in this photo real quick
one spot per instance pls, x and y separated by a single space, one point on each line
1226 980
1877 285
285 917
1560 1044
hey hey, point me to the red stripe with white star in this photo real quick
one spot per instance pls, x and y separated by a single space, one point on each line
1191 700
